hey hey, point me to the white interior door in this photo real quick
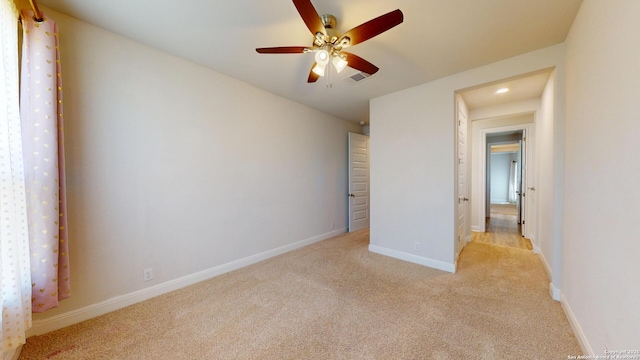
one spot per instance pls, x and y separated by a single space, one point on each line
461 181
358 182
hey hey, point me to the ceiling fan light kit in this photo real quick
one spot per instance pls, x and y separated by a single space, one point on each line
328 45
322 59
339 62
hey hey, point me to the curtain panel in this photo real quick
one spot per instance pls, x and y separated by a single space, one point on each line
43 149
15 276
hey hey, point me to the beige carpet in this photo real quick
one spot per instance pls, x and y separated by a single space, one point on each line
336 300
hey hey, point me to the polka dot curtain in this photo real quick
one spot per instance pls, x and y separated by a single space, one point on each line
43 151
15 284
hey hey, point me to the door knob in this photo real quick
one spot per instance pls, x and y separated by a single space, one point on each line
351 195
465 199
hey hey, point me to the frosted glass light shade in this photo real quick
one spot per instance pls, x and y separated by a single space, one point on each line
339 63
319 69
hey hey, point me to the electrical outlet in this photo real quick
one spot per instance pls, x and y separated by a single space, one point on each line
416 246
148 274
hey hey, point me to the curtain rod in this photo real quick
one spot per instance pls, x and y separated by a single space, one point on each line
37 15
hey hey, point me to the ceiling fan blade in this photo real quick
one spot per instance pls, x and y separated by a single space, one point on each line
313 77
373 27
358 63
310 16
282 50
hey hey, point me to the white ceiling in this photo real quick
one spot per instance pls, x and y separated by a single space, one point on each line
438 38
525 87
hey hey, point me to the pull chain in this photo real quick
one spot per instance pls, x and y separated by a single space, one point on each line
328 72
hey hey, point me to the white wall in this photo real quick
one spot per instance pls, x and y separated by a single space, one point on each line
549 134
176 167
413 157
601 254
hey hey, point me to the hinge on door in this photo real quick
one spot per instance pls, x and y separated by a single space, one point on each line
522 222
459 161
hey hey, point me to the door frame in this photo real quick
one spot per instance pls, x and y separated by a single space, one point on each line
487 158
482 173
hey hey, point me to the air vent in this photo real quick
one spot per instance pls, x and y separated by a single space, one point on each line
355 78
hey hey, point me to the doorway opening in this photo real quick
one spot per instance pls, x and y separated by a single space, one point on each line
513 105
504 196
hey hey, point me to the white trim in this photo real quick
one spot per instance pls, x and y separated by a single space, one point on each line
577 330
88 312
436 264
532 239
554 292
544 262
477 229
482 169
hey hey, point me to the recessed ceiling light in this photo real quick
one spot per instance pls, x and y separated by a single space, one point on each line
502 91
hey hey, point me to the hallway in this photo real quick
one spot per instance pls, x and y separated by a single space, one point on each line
502 228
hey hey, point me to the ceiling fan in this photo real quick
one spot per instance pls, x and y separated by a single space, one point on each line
328 45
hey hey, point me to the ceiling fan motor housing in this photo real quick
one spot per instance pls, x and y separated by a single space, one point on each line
329 21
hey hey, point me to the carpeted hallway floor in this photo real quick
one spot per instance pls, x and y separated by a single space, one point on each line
336 300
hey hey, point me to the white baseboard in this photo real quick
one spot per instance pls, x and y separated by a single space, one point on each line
554 292
436 264
477 228
547 268
88 312
533 242
577 330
